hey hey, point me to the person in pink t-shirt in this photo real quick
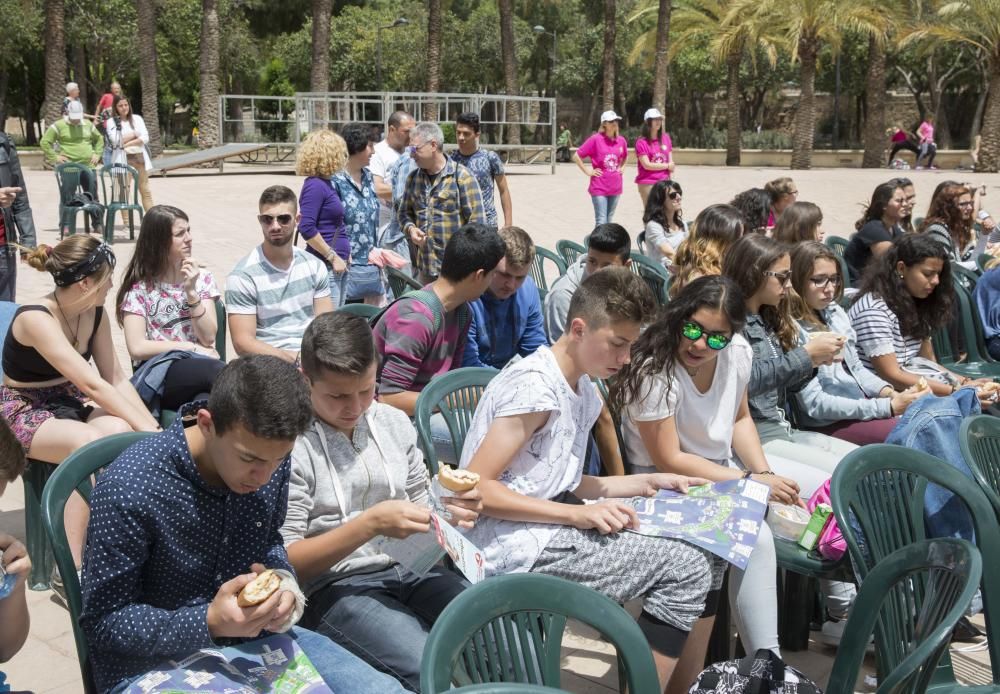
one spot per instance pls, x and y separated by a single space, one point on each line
653 152
608 152
927 147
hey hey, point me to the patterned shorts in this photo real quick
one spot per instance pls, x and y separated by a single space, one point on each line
26 409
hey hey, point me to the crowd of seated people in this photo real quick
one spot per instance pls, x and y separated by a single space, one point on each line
301 454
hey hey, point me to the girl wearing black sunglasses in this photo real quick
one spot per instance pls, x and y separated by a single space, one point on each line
683 401
664 220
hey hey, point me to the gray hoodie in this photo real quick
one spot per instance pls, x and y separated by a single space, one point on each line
557 300
358 475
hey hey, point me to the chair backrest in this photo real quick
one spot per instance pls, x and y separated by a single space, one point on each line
400 283
945 574
878 498
366 311
655 275
569 251
505 688
119 185
220 328
73 474
969 277
509 629
68 177
970 324
979 440
838 245
455 395
537 270
7 311
640 242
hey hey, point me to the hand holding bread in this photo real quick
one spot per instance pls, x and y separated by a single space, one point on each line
264 606
465 502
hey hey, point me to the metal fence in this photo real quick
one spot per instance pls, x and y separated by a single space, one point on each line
521 128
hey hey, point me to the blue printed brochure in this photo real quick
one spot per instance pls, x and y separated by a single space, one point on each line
723 518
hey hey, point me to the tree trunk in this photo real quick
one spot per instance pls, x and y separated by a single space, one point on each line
434 28
208 100
80 73
660 62
30 112
733 108
610 28
149 76
805 117
989 147
55 59
4 84
319 75
508 53
874 132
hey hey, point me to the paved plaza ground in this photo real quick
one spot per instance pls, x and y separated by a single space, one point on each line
223 212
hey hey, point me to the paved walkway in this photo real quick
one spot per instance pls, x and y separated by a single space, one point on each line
223 212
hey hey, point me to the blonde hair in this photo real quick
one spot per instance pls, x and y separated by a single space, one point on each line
697 256
520 248
322 153
778 187
65 254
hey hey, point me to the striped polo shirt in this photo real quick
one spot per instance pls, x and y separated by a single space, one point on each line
282 300
878 332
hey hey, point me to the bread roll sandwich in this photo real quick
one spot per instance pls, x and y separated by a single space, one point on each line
259 589
457 480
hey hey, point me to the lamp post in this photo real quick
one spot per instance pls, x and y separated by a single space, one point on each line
540 30
398 22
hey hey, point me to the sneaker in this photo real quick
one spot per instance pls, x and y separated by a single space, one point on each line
919 168
966 632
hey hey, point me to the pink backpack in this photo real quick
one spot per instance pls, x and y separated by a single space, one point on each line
831 541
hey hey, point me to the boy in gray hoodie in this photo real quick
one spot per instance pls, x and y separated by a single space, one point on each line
358 475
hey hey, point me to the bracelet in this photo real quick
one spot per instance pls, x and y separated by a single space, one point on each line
194 317
192 304
747 474
766 472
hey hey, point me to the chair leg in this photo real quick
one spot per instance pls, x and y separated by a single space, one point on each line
39 547
795 611
109 227
719 642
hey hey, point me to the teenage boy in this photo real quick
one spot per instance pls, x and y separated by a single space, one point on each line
507 319
14 619
423 334
485 165
184 519
527 441
609 246
273 293
358 476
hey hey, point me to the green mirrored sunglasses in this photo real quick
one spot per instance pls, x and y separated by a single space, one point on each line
693 331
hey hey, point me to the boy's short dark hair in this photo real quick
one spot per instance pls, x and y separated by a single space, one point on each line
357 136
470 120
611 238
473 247
612 295
274 195
12 458
337 342
264 393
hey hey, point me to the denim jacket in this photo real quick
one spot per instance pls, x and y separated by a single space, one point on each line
931 425
774 372
842 390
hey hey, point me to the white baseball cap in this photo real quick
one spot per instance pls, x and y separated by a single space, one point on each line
608 116
74 111
652 113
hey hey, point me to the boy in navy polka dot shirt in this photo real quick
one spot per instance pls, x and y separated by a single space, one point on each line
183 519
358 476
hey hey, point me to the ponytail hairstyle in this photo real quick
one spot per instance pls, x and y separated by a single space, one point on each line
714 230
745 263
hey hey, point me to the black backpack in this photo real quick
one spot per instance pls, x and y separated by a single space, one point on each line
761 673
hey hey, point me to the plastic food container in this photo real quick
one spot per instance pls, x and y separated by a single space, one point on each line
787 522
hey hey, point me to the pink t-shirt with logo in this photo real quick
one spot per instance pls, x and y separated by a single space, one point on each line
658 153
926 132
607 156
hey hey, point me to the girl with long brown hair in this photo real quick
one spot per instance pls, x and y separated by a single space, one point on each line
949 221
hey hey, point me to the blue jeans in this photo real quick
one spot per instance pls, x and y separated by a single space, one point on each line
8 272
604 208
338 281
441 437
384 617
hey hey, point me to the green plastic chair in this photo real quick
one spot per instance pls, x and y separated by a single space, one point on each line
68 180
505 688
366 311
120 192
74 474
400 283
838 245
569 251
455 395
537 270
979 441
167 417
509 629
654 274
978 363
640 242
969 277
878 491
919 592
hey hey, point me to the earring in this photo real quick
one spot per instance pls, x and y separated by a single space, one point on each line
900 275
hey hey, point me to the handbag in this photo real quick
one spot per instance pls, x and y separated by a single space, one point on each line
761 673
831 544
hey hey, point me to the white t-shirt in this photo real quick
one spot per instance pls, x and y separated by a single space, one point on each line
704 421
549 465
383 156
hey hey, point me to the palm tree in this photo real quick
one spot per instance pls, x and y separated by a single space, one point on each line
149 77
508 53
610 29
319 75
660 40
433 57
208 100
55 59
974 23
803 27
874 131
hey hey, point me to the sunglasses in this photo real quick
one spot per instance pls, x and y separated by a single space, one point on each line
821 281
693 331
268 219
780 276
674 195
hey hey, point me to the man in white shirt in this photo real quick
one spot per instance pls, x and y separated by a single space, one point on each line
387 152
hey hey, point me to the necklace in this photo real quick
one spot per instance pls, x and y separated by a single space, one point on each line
692 372
62 316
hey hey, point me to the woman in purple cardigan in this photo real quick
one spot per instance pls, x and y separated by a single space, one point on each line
322 154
